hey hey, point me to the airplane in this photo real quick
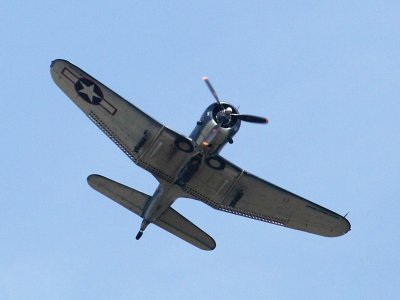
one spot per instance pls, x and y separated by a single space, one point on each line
187 166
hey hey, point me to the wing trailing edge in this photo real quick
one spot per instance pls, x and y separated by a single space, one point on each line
170 220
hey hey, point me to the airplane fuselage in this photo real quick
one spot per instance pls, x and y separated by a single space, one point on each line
206 140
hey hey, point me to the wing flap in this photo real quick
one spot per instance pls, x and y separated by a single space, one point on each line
239 192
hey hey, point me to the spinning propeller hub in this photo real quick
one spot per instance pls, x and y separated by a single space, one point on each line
226 113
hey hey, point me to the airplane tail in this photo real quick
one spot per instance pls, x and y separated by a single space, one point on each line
135 201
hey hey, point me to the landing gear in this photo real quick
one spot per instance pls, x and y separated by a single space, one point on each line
215 162
189 169
139 235
184 144
142 228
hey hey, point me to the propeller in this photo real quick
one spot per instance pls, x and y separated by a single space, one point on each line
251 119
226 114
210 87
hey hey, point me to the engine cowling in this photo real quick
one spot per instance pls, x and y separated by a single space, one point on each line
216 127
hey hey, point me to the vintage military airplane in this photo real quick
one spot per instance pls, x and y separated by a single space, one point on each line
189 167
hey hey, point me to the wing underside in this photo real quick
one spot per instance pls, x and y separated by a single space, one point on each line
144 140
239 192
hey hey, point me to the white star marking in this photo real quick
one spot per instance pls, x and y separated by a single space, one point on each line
89 91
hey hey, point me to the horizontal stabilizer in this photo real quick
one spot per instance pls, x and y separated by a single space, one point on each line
175 223
123 195
170 220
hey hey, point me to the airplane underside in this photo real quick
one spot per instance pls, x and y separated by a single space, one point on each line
187 166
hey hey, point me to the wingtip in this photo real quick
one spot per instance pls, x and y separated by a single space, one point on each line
93 179
57 60
207 247
54 62
346 227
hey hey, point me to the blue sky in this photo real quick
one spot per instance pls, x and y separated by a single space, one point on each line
325 73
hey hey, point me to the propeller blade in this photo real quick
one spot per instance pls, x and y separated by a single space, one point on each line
210 87
251 119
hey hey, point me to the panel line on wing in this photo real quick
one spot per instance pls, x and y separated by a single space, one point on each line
108 132
232 187
151 146
269 219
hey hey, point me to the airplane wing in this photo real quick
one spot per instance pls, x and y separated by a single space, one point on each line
229 188
154 147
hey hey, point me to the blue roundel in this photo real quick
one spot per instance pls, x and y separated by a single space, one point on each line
89 91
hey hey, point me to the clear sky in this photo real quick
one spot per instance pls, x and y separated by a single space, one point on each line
325 73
